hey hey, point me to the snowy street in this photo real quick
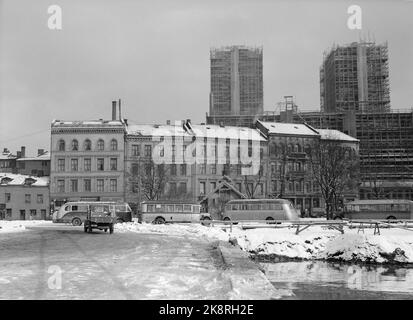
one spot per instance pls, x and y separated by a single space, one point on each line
102 266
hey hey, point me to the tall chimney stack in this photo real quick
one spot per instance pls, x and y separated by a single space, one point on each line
23 151
120 112
113 110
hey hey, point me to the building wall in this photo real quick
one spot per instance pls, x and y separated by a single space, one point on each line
38 168
94 133
32 200
236 81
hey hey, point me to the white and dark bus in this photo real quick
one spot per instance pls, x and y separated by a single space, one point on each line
168 211
382 209
260 209
76 212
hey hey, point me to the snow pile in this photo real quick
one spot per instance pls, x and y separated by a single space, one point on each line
371 248
284 242
392 246
196 230
18 225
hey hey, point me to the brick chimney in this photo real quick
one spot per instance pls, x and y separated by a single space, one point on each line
40 152
113 110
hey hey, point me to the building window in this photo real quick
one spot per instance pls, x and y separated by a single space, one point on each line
61 165
27 198
135 169
100 164
136 150
87 164
213 169
87 186
148 150
74 164
87 145
113 164
8 213
213 185
183 169
101 145
33 212
172 188
43 213
202 188
8 197
61 145
100 185
182 188
75 145
73 185
60 186
173 169
113 185
273 186
202 168
113 145
39 198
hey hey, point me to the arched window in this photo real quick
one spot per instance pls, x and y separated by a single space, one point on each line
61 145
101 145
87 145
113 145
75 145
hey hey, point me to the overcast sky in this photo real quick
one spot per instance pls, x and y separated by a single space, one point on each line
154 55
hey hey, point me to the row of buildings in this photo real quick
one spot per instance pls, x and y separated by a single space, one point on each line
111 160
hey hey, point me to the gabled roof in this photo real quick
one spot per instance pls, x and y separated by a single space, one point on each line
12 179
220 186
43 157
329 134
288 128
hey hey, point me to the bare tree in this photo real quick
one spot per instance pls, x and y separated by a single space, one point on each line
153 180
335 168
251 184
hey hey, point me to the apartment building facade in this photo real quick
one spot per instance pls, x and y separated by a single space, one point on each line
87 161
24 197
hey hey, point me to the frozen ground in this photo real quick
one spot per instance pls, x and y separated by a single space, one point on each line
317 242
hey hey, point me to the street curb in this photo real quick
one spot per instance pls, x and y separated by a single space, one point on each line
247 280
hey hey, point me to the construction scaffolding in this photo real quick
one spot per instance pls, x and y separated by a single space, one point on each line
355 77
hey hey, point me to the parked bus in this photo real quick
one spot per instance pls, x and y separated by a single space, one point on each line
260 209
76 212
379 209
161 211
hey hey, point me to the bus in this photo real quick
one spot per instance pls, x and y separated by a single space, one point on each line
378 209
260 209
161 211
76 212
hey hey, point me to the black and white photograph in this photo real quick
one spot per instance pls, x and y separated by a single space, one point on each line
206 155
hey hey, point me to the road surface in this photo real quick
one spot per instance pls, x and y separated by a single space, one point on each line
62 262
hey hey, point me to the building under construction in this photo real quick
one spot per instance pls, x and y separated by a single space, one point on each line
386 145
355 77
236 82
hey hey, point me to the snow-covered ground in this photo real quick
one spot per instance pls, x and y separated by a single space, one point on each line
18 225
317 242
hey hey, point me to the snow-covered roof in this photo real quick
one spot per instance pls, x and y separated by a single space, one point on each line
329 134
20 179
288 128
7 156
200 131
43 157
87 123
